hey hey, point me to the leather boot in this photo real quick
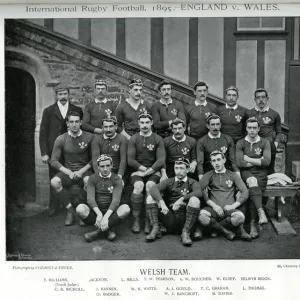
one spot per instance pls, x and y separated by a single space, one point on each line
92 236
147 228
136 222
253 230
262 218
243 234
70 217
229 235
191 216
152 212
111 235
197 233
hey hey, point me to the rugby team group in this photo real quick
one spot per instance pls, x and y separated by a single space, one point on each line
191 168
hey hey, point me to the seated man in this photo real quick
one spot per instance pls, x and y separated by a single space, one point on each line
222 209
253 157
104 190
146 157
180 206
179 145
74 148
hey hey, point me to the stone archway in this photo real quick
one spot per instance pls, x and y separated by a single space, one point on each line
34 65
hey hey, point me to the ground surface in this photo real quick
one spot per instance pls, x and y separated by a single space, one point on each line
37 237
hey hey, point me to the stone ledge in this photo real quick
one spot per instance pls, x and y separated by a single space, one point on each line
296 170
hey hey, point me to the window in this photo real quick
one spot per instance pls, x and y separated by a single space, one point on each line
261 24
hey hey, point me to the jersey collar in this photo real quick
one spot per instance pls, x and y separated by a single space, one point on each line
198 104
108 176
184 179
182 140
146 135
109 138
262 110
214 137
74 136
231 107
256 140
220 172
103 101
168 103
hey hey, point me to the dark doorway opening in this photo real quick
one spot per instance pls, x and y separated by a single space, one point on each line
19 136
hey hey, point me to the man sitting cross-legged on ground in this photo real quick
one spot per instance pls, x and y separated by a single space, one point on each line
74 148
104 192
253 157
180 206
223 210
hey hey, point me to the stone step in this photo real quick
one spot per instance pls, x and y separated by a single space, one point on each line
296 170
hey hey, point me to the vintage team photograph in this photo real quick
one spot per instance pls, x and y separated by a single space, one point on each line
152 138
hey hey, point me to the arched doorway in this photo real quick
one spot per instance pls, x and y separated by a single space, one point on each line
20 123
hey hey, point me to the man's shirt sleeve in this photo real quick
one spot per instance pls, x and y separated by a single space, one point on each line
123 156
200 155
160 156
131 154
56 153
265 162
117 193
91 193
86 126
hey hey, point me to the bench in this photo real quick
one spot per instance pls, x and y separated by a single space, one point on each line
281 225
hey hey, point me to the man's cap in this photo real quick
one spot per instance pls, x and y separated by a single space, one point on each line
145 115
182 160
200 83
216 152
232 88
177 121
61 87
212 116
110 119
135 82
104 157
164 82
100 82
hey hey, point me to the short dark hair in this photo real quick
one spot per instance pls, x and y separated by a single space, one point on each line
216 152
212 117
110 119
200 83
177 121
252 120
74 114
260 90
164 82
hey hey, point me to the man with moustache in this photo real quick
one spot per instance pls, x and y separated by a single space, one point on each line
214 140
232 116
198 111
129 110
97 110
146 157
166 110
269 121
113 144
54 124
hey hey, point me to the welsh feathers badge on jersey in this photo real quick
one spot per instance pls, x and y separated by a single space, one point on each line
174 112
229 183
267 120
150 147
207 114
184 192
108 112
143 110
257 151
115 147
238 118
185 151
110 189
223 149
82 145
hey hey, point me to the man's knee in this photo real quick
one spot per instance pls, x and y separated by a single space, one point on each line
82 211
194 202
150 200
85 181
56 183
237 218
149 185
204 217
123 211
138 187
252 181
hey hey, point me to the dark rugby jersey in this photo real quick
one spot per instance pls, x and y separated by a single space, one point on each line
196 116
259 149
94 113
233 121
175 149
75 152
128 116
206 145
115 147
222 187
163 113
173 190
270 123
104 192
147 151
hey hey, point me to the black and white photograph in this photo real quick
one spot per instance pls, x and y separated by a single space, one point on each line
158 138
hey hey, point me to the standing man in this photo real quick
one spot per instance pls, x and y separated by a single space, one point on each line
180 206
179 145
129 110
54 124
104 192
253 156
74 147
223 210
113 144
232 116
166 110
270 122
146 156
198 111
99 109
214 140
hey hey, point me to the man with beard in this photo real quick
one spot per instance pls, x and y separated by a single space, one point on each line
96 111
223 210
146 156
269 121
214 140
253 156
104 192
129 110
112 144
179 206
74 147
166 110
54 124
198 111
